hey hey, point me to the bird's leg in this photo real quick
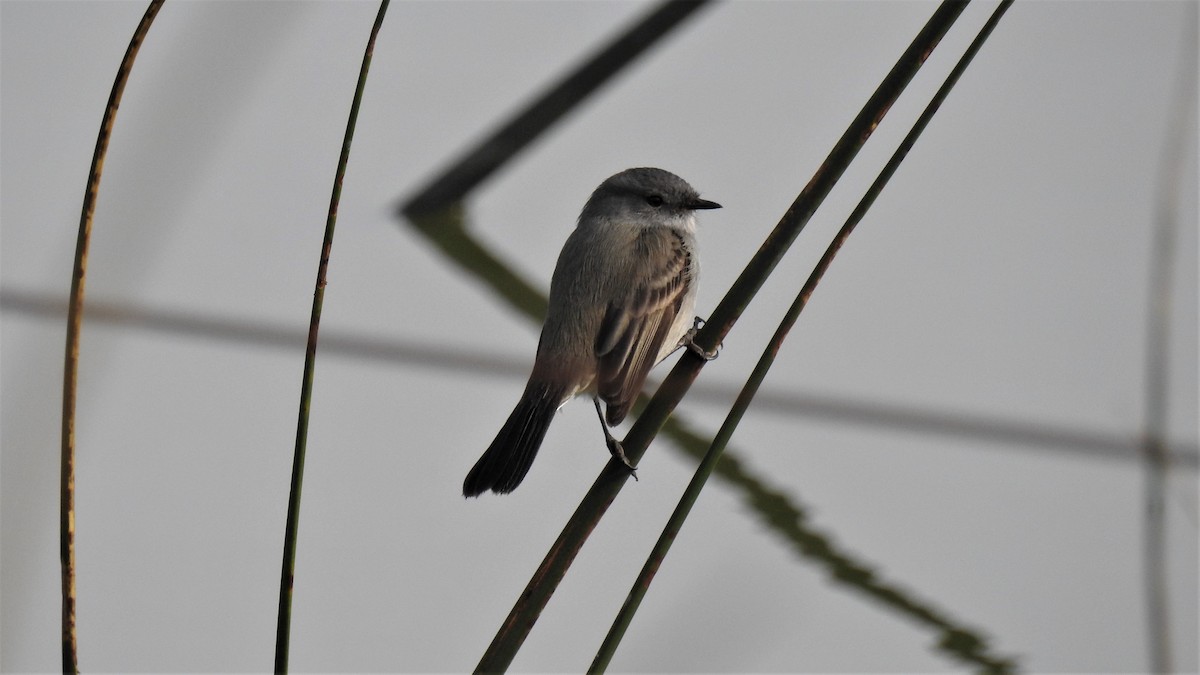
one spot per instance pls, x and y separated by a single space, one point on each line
614 446
689 340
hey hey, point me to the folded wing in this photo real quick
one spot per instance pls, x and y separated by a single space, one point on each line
635 327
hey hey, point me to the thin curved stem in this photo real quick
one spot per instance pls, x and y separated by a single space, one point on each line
66 525
287 575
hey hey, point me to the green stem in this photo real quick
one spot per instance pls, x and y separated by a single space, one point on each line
283 625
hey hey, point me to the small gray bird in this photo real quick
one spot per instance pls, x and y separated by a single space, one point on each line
621 299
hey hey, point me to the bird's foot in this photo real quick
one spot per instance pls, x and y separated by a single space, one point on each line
689 340
614 446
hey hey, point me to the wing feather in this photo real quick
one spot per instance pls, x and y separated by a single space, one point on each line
635 327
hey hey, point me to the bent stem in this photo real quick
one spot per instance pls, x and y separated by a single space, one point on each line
66 524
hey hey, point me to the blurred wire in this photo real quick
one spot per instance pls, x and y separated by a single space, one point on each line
468 171
472 360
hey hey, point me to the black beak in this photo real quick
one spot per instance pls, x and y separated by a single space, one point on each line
698 204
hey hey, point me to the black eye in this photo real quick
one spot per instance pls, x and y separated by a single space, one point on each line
654 200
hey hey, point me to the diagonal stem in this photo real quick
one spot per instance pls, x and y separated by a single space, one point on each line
746 396
550 573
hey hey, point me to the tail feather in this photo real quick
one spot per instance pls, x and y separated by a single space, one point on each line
506 461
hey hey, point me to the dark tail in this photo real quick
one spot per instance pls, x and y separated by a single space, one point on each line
506 461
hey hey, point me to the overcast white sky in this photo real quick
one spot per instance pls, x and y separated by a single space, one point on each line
1003 275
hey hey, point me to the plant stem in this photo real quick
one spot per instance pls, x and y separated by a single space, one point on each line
287 575
66 523
549 574
767 359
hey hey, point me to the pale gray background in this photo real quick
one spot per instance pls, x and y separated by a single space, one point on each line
1003 273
